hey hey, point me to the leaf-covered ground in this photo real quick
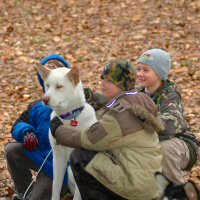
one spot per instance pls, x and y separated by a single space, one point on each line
86 33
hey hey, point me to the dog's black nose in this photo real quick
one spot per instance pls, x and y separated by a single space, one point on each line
46 100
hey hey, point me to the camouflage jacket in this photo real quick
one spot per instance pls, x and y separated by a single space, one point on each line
169 102
95 99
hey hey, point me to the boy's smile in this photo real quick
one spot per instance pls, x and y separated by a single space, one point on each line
148 78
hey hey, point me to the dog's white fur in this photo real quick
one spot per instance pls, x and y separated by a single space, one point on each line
64 90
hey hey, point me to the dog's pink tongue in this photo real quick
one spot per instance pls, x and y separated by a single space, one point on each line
46 100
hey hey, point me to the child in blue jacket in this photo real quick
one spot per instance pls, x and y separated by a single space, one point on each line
32 145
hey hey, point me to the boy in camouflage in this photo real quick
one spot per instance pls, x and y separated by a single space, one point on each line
179 145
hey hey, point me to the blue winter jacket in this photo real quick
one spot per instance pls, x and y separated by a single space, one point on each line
37 119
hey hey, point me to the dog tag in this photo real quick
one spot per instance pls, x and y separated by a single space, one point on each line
74 122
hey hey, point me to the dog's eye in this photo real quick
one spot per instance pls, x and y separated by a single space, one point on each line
47 85
59 86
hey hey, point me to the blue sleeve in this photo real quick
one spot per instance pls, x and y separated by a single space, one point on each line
40 120
22 125
20 129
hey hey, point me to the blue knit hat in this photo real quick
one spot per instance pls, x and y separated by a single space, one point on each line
158 60
49 58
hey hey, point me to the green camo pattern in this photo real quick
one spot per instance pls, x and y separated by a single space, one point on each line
95 99
121 73
169 103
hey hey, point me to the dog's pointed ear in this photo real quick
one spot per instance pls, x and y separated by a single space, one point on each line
162 183
43 71
191 191
74 75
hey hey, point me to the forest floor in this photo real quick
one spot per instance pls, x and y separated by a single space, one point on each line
87 33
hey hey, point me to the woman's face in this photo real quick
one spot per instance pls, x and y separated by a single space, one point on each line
109 90
147 77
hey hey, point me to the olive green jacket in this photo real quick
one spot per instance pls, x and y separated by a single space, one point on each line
128 145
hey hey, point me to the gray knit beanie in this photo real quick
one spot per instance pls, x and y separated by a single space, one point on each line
158 60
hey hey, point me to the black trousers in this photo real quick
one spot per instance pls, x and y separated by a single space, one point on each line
20 168
89 187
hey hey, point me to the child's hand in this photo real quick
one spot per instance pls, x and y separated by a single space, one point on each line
30 141
54 124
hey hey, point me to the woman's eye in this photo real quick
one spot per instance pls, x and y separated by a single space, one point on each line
59 86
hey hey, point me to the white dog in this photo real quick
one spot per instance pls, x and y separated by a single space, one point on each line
64 94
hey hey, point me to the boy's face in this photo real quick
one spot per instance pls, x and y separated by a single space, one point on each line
109 90
146 76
